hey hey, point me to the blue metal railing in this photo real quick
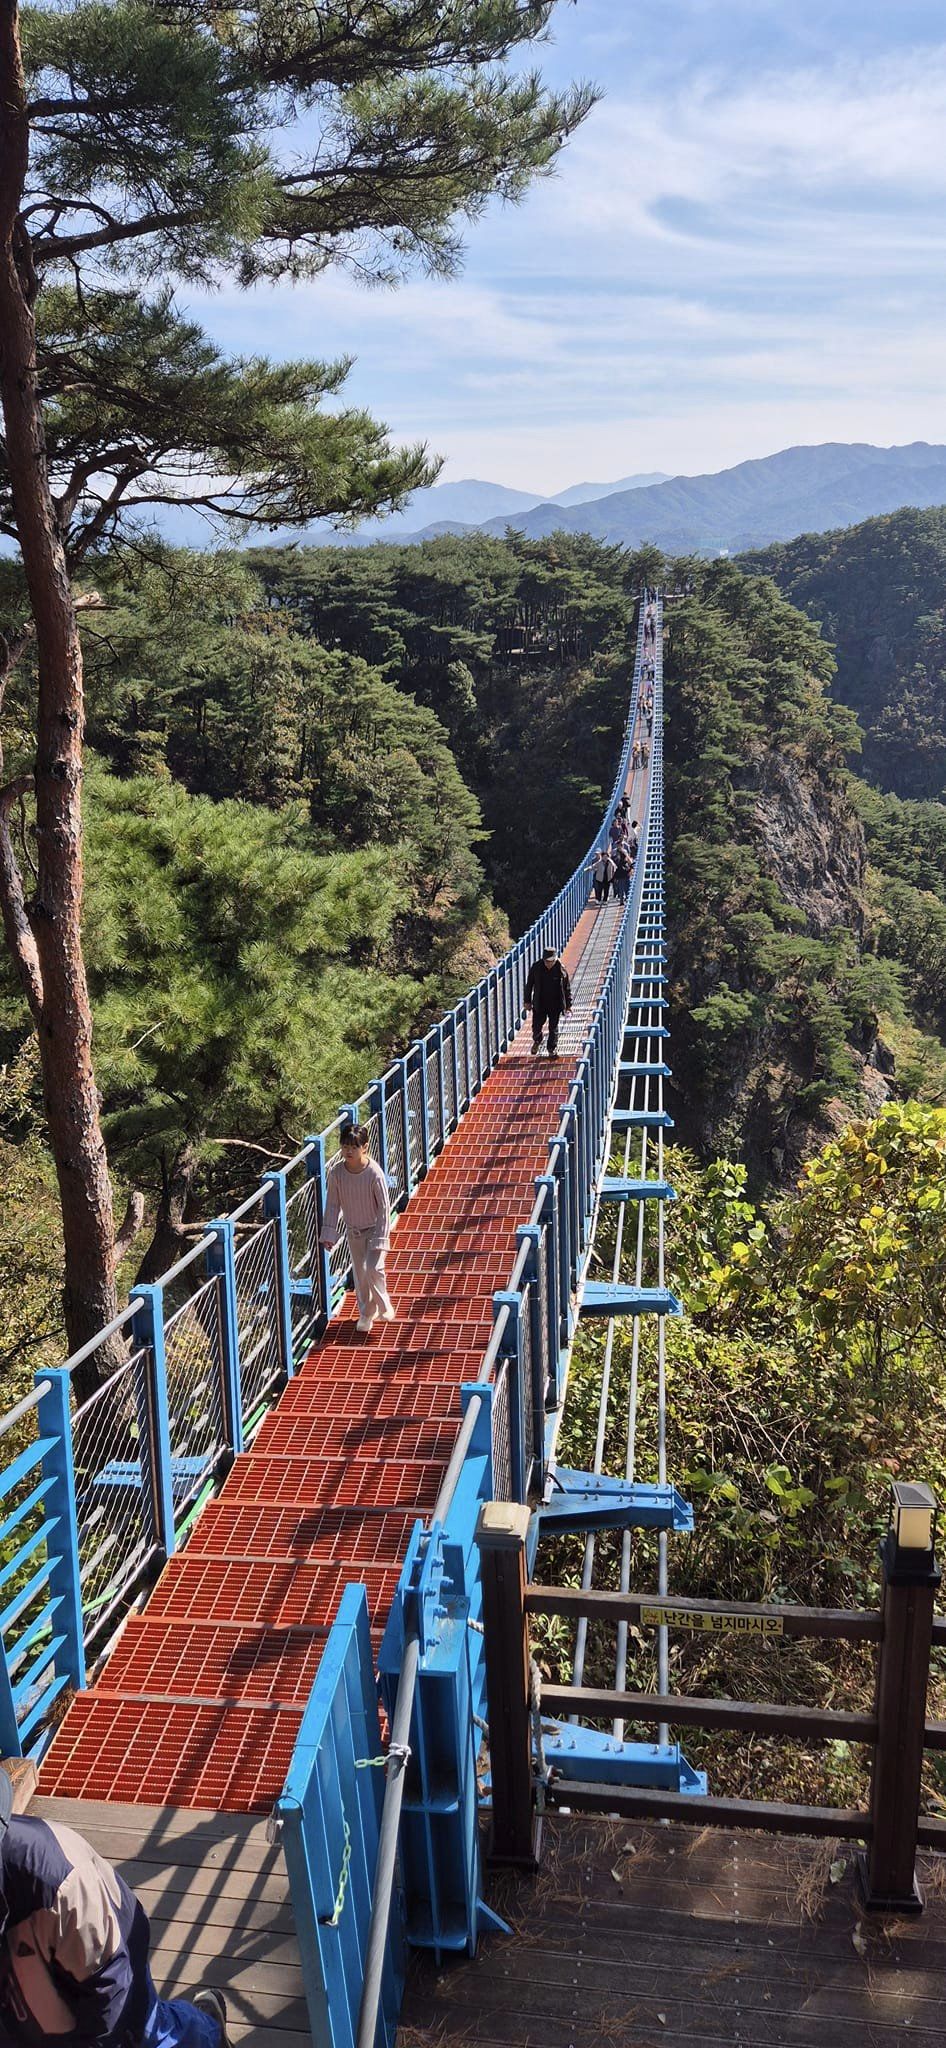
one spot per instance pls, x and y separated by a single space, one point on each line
432 1667
331 1813
98 1494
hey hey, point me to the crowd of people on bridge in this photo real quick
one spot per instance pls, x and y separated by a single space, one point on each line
644 724
357 1197
612 867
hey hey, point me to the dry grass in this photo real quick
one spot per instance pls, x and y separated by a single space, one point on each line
430 2037
813 1877
933 1876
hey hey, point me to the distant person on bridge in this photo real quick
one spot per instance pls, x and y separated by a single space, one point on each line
549 992
358 1197
623 870
74 1945
602 874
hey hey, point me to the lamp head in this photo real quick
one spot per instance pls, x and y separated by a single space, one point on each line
909 1551
913 1515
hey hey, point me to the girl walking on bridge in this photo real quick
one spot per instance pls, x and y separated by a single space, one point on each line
358 1197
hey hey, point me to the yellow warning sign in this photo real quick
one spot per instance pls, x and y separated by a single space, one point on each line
713 1623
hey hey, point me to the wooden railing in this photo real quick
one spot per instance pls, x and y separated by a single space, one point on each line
897 1731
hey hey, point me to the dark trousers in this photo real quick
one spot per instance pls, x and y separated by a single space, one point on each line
542 1016
602 891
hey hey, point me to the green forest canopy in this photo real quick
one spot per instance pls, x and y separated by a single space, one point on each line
879 593
322 782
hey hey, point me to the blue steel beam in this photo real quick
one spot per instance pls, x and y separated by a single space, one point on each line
641 1120
595 1758
594 1500
612 1298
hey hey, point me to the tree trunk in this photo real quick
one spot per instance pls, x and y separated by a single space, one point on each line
170 1241
54 978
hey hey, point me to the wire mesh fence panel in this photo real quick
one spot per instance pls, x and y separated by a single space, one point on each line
257 1317
372 1124
339 1267
302 1229
415 1122
528 1390
193 1345
449 1084
332 1141
462 1064
502 1449
180 1288
545 1373
482 1012
394 1124
434 1108
115 1508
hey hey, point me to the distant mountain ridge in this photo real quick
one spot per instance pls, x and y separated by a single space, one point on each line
771 498
461 507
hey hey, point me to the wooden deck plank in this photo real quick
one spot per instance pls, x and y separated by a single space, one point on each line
217 1895
644 2023
177 1879
148 1820
196 1839
245 1913
636 1934
244 1946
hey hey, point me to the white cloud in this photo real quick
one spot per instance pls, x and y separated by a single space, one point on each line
721 267
866 133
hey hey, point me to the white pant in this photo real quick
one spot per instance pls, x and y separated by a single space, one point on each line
367 1263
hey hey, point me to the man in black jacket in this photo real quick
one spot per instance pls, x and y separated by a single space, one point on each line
549 991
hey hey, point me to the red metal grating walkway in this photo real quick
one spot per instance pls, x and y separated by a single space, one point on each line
201 1700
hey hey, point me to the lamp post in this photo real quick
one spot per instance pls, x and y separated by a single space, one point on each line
910 1579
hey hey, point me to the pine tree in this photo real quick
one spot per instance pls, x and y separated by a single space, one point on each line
144 146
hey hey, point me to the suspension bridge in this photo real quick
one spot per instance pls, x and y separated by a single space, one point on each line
268 1590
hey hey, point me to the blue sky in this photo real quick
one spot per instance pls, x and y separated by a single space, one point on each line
744 247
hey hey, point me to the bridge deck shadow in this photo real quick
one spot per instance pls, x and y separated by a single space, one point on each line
636 1934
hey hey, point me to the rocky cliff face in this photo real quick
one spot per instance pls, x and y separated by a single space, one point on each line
810 842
